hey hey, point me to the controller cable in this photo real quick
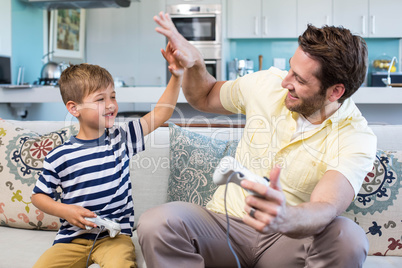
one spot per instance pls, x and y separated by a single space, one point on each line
227 219
100 231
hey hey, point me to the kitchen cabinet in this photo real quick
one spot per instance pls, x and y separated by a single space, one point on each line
386 19
5 29
124 41
315 12
370 18
261 18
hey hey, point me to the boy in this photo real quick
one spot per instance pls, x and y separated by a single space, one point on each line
92 169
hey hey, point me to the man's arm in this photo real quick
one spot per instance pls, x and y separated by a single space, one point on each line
71 213
199 87
331 196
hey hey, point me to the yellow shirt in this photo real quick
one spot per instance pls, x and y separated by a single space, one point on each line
343 142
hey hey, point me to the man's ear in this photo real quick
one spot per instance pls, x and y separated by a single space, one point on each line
72 108
335 92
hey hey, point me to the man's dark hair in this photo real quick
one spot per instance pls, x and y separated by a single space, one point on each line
343 57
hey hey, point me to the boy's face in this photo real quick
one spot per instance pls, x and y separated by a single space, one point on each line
98 110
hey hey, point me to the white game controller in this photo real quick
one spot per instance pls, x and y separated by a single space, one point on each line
112 226
228 165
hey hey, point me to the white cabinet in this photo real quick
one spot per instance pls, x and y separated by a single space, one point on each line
124 41
5 29
244 19
370 18
385 18
279 18
352 15
315 12
289 18
261 18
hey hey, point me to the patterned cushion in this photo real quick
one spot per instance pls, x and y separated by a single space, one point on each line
377 208
21 159
193 158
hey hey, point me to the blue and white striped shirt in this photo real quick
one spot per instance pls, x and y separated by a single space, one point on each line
94 174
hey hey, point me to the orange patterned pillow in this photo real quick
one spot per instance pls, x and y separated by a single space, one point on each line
377 208
21 158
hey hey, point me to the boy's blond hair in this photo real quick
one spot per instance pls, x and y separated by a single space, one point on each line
78 81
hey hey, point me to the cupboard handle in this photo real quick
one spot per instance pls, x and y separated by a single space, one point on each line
373 24
327 20
256 25
265 20
363 24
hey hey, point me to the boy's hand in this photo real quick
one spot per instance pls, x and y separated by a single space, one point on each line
174 65
185 53
76 216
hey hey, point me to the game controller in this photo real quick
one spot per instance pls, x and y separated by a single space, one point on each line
228 165
112 226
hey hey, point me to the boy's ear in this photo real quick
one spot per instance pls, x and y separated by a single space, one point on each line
72 108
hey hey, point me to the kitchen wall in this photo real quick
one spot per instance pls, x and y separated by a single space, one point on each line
27 40
284 48
28 48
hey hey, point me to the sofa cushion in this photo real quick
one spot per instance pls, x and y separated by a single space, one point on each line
377 208
193 159
22 152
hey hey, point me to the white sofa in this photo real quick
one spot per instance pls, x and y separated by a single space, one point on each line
149 173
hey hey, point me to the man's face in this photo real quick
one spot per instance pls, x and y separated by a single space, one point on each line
305 95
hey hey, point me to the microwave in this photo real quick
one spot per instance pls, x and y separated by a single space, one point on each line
199 24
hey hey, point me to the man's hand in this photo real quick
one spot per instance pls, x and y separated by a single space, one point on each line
270 212
76 216
185 53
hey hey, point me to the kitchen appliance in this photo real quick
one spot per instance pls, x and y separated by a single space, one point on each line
238 68
74 4
377 78
5 75
201 25
51 71
5 70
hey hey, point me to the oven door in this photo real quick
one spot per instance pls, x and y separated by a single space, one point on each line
213 67
198 29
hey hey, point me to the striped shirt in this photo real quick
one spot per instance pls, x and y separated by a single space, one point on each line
94 174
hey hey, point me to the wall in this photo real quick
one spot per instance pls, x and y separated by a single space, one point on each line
26 44
28 47
284 48
27 40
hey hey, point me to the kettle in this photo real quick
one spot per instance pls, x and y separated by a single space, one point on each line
52 70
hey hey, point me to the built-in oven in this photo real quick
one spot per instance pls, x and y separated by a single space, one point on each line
201 25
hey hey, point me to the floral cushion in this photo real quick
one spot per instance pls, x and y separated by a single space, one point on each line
21 159
193 158
377 208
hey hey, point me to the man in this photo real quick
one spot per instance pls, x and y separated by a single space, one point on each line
303 131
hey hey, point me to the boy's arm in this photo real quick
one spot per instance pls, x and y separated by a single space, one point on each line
71 213
167 102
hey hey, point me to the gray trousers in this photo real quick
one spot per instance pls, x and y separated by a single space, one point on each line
185 235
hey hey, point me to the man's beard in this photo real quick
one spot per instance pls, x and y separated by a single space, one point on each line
307 106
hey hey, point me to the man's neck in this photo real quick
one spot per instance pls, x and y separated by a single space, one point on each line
324 113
